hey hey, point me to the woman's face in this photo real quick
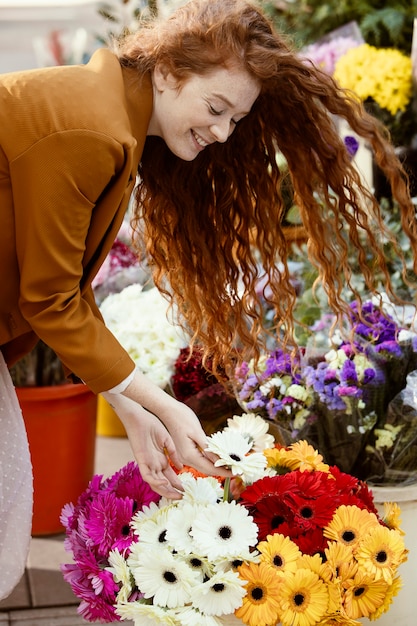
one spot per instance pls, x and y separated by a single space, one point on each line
204 109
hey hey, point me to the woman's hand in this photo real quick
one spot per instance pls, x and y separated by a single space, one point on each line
165 432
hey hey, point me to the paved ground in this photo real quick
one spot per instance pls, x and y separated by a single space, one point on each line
43 598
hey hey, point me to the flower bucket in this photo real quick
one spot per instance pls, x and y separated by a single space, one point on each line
108 423
61 427
402 611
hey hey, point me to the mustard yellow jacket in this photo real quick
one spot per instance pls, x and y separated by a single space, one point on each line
70 142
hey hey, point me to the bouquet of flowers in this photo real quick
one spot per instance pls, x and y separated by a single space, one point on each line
139 319
382 79
194 385
355 399
298 543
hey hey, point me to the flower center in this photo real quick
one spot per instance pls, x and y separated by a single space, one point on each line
348 536
218 587
235 457
381 557
225 532
125 530
170 577
257 594
278 561
276 521
299 599
359 591
306 512
162 536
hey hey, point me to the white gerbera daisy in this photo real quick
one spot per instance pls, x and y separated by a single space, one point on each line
223 530
121 574
201 490
146 614
189 616
219 595
247 556
179 523
151 524
162 576
233 450
254 428
200 564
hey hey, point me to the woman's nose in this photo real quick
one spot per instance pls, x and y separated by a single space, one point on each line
222 130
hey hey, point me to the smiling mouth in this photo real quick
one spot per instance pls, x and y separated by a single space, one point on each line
199 140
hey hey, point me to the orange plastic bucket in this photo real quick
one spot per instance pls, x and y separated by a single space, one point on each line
61 426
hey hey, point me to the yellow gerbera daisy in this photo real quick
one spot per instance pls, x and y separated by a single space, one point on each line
278 459
279 552
363 595
392 516
392 591
304 598
261 603
339 618
305 458
315 564
339 561
349 524
380 552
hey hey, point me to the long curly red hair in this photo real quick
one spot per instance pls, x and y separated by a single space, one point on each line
209 224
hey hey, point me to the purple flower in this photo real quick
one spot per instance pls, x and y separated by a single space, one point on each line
96 524
352 145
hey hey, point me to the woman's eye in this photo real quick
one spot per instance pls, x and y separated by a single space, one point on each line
214 112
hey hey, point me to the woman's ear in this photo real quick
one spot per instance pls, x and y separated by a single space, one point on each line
162 77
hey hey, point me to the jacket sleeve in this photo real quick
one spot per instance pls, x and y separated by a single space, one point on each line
58 186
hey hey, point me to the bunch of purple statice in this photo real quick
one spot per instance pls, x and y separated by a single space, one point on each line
351 395
277 391
98 523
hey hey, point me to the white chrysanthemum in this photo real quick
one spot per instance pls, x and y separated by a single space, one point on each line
254 428
146 614
233 450
220 595
179 523
121 574
139 320
201 490
223 530
162 576
151 523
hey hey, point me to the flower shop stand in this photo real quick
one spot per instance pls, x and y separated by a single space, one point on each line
61 426
403 608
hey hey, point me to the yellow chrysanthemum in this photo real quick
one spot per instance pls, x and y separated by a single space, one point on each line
349 524
363 595
279 552
392 516
261 602
380 552
383 74
389 595
340 562
304 598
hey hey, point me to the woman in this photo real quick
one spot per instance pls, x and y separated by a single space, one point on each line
199 106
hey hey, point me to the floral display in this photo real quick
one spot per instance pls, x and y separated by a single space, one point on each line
139 319
288 540
194 385
326 54
382 79
354 399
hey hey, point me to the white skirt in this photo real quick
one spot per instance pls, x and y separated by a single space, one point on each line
16 487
